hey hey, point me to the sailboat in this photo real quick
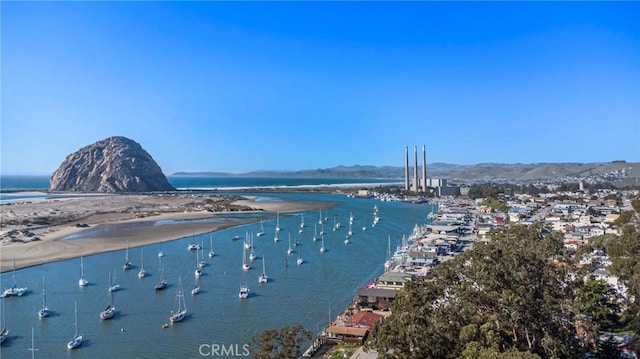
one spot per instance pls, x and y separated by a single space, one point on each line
247 245
77 339
261 233
300 260
181 311
301 223
142 273
277 222
14 290
320 217
263 277
322 248
193 246
346 241
83 282
350 217
203 262
127 263
350 233
113 287
198 272
211 253
275 237
4 333
364 228
162 284
321 229
289 251
388 263
244 292
245 265
252 254
110 310
44 312
315 232
196 289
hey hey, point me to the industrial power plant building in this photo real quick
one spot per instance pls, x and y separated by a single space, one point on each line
423 184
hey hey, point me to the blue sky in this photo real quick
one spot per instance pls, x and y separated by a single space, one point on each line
223 86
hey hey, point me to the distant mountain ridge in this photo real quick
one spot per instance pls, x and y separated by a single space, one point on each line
476 172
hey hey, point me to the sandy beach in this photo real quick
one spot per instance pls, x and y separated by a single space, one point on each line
32 230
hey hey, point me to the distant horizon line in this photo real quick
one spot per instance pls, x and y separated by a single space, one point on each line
223 172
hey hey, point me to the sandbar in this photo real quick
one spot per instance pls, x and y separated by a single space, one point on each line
32 231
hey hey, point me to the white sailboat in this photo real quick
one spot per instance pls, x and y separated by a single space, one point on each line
315 232
275 237
77 339
198 272
364 228
245 265
350 218
83 282
247 245
302 221
181 311
244 292
252 254
110 310
350 233
321 229
44 311
300 260
346 241
142 273
113 287
320 217
277 222
193 246
161 254
203 262
14 290
127 263
323 248
263 277
196 289
211 253
261 233
162 284
289 251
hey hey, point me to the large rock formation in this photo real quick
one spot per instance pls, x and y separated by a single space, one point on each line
115 164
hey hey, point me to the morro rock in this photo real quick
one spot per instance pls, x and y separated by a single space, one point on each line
115 164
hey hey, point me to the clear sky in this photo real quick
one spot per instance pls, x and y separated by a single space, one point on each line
221 86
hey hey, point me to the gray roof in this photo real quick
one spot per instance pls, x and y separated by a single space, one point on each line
377 292
394 277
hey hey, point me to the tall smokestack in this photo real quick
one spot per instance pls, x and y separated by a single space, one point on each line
415 168
424 169
406 168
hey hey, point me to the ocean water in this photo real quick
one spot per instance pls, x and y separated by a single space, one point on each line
309 294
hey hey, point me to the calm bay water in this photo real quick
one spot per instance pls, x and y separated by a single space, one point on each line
308 294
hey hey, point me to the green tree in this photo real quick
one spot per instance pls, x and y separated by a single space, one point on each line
505 296
623 218
280 344
596 299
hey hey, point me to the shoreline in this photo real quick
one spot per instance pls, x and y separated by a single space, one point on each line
33 231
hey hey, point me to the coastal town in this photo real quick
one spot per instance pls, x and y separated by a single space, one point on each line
460 222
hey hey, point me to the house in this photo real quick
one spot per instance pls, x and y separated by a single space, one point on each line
364 320
421 259
376 298
347 334
393 280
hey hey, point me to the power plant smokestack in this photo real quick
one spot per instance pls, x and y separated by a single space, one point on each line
424 169
415 169
406 168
